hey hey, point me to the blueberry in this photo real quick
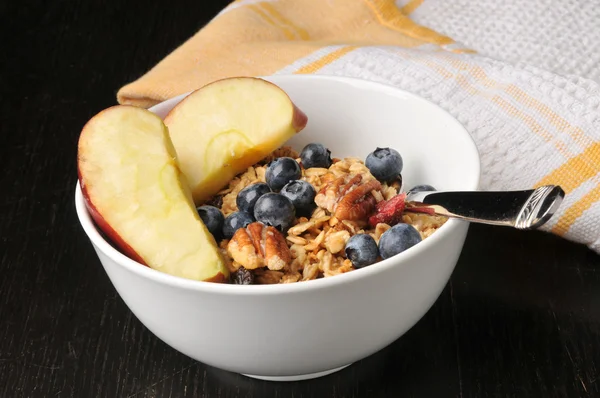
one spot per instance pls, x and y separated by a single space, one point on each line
281 171
301 193
397 239
362 250
212 218
247 197
235 221
384 163
242 277
421 188
315 155
275 210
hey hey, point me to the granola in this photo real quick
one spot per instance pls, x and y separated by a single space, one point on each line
347 193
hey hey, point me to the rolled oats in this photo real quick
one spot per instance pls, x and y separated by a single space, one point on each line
296 239
291 277
352 226
325 260
338 266
377 195
425 224
316 244
299 228
389 192
299 257
336 241
379 230
315 171
311 271
318 213
284 151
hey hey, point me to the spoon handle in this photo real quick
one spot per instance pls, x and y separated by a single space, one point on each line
529 209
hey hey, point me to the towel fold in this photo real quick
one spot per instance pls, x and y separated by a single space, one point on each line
532 126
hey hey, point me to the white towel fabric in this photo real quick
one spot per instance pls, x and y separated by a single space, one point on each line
559 36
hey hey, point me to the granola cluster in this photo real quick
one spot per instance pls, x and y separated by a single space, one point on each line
314 246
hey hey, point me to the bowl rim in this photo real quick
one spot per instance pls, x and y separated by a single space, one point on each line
222 288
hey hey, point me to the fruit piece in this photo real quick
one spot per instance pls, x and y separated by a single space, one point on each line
247 197
212 218
242 277
362 250
235 221
136 194
389 211
259 245
315 155
421 188
384 163
275 210
397 239
281 171
301 193
226 126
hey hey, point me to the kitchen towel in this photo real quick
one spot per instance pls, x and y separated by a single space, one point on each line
559 36
533 126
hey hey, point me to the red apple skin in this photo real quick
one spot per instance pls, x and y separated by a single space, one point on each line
299 120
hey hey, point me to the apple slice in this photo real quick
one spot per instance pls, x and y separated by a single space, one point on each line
226 126
136 194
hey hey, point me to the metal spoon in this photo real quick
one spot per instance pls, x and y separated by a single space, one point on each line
528 209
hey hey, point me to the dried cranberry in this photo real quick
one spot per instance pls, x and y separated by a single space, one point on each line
389 211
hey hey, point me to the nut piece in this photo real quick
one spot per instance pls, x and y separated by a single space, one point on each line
328 196
349 197
259 245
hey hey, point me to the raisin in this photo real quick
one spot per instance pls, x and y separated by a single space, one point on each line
216 201
242 277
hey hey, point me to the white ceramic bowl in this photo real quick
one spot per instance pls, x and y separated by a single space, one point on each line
309 329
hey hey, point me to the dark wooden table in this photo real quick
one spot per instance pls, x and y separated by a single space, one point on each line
520 317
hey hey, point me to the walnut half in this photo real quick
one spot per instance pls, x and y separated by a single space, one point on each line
258 246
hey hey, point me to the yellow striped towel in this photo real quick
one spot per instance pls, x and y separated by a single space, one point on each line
532 127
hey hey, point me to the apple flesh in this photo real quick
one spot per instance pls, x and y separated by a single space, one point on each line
226 126
135 192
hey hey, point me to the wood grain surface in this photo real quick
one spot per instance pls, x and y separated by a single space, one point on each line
520 317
